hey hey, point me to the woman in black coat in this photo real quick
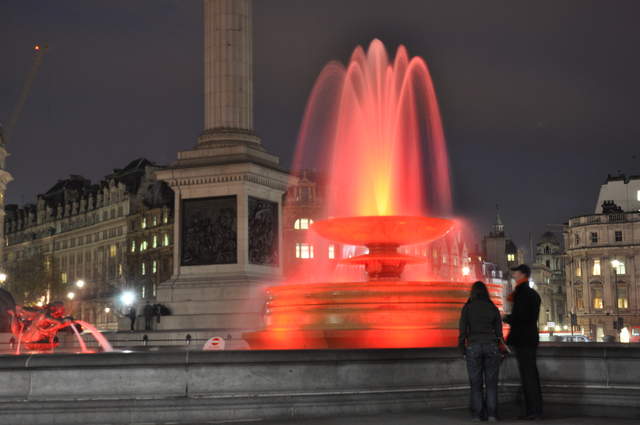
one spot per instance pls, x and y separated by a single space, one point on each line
480 335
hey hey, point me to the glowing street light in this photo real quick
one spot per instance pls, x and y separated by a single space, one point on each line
465 271
80 283
71 295
3 277
128 298
107 310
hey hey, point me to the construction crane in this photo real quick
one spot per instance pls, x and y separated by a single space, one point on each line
38 55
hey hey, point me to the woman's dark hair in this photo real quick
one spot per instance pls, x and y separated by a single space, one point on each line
479 291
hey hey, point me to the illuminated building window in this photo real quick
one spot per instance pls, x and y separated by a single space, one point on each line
133 246
623 297
112 250
596 297
144 223
155 241
444 259
638 195
618 235
304 250
302 223
619 267
63 277
165 239
143 291
154 267
578 270
144 245
155 221
579 299
332 251
596 267
119 269
165 218
511 257
143 269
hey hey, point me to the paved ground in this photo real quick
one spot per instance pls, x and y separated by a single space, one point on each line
442 417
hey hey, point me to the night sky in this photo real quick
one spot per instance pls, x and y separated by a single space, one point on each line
539 98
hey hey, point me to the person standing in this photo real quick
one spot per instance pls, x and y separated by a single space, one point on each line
524 338
131 314
148 313
480 334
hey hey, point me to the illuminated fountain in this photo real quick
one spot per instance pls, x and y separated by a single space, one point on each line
375 127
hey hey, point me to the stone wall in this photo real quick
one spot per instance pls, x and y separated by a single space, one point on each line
186 387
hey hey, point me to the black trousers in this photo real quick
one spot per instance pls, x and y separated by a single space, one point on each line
483 366
530 379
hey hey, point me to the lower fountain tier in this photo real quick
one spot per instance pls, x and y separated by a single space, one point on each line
375 314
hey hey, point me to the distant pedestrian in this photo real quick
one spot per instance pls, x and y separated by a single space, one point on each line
148 313
157 310
480 335
131 314
524 338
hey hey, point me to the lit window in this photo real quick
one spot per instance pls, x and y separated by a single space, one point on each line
154 267
143 245
119 269
638 195
619 267
332 251
165 240
144 223
143 291
623 297
112 250
579 299
596 295
155 220
304 250
155 241
165 218
133 246
143 269
302 223
444 259
596 267
578 270
511 257
618 235
63 277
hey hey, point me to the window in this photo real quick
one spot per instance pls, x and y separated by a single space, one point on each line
577 239
304 250
63 277
143 269
165 218
596 267
144 245
144 223
548 263
155 241
511 257
119 269
155 221
112 250
619 267
594 237
165 240
596 296
154 267
302 223
578 269
623 297
618 235
133 246
638 195
332 251
579 299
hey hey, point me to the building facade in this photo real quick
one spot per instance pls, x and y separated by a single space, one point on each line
603 263
548 277
111 236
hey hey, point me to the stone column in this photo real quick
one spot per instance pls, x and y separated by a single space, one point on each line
228 72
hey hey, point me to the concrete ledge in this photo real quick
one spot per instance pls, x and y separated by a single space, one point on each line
192 386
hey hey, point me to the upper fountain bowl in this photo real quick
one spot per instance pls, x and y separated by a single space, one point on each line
383 230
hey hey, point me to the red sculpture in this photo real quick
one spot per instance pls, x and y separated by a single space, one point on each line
36 328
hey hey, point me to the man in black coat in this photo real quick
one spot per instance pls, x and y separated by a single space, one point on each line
523 337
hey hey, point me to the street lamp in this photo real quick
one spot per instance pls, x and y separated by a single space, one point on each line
107 310
128 298
3 277
71 295
466 270
80 283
